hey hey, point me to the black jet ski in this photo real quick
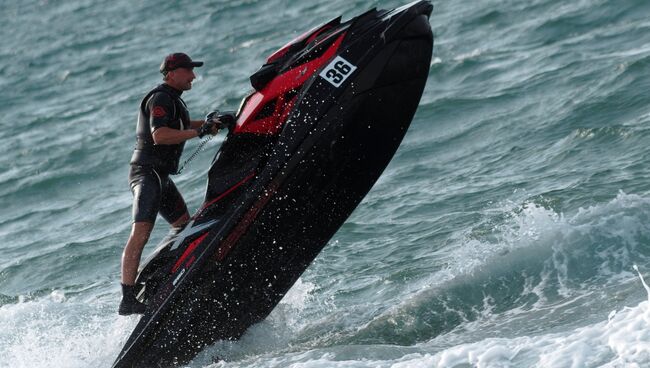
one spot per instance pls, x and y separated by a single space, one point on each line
327 113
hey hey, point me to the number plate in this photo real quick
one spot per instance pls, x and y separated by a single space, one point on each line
337 71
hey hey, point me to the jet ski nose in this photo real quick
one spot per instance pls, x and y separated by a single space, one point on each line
427 9
418 27
420 7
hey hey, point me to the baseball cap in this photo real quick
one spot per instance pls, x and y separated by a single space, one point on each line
178 60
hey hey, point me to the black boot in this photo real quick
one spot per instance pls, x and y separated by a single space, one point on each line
129 304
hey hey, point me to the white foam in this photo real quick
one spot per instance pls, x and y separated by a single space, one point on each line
532 226
299 294
531 234
621 341
470 55
54 331
647 289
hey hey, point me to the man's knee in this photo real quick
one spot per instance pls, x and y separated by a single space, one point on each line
182 220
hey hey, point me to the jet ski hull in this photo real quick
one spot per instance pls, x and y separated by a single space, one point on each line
336 142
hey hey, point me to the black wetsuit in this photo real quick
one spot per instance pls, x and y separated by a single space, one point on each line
153 190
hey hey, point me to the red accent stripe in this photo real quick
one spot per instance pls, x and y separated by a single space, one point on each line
283 50
245 222
205 205
317 33
188 251
190 261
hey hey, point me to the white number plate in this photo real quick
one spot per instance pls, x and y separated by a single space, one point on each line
337 71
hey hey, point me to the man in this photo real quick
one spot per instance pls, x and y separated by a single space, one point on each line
163 127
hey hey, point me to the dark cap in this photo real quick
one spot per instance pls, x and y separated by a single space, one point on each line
178 60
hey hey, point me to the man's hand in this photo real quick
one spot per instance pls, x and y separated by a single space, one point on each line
209 127
213 115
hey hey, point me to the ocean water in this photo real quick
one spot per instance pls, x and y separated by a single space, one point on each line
504 233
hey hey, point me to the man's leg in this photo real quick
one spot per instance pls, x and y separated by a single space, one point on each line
181 220
146 189
140 232
173 208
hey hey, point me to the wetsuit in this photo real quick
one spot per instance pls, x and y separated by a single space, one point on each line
153 190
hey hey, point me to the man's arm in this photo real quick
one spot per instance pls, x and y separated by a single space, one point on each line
160 107
164 135
196 124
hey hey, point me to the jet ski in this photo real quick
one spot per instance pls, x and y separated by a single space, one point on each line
327 113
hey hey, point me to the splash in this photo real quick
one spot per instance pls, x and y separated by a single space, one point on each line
43 333
647 289
623 340
532 266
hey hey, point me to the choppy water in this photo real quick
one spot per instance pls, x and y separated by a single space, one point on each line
503 234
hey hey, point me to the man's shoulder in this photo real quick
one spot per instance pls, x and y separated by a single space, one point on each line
159 103
159 97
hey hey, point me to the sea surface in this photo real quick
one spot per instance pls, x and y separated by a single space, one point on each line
504 233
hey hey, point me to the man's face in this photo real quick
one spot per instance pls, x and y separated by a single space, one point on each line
181 78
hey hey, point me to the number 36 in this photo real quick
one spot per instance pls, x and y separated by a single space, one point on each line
337 71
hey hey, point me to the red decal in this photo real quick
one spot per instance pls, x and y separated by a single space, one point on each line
190 261
226 192
292 79
158 112
189 251
245 222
